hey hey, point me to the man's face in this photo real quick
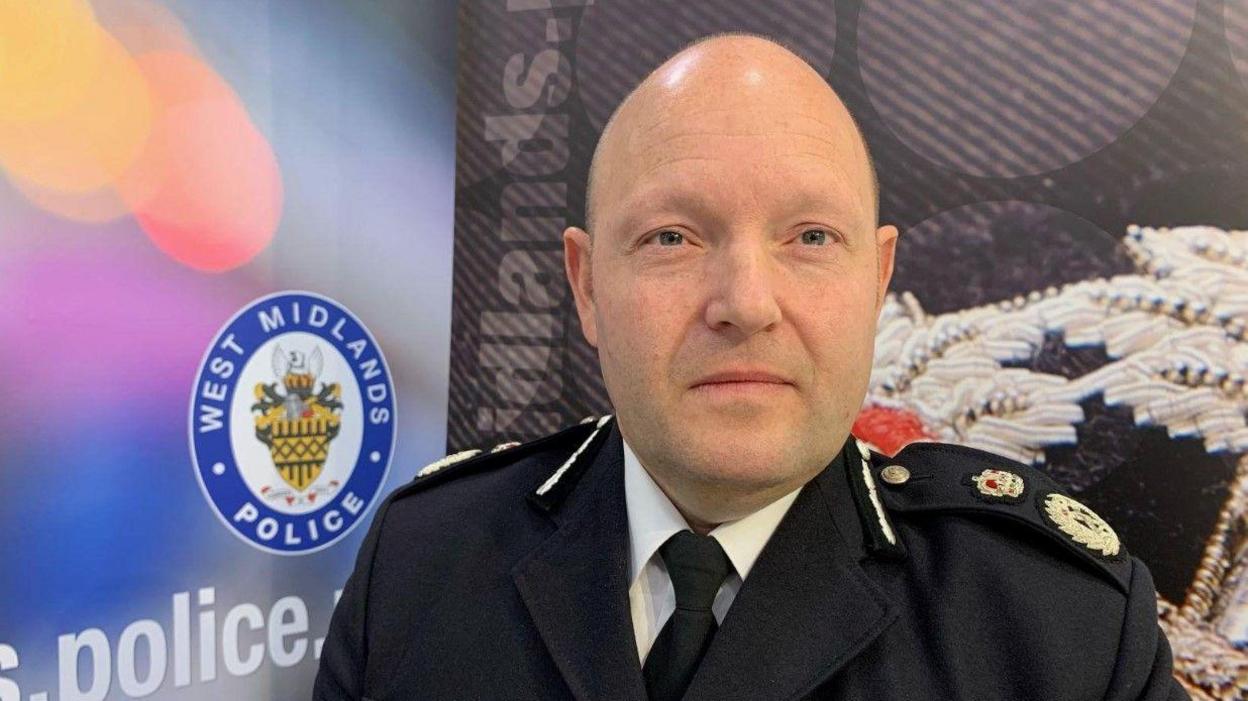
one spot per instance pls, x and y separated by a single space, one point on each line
735 281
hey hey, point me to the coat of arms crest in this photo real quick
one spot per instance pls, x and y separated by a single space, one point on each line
298 419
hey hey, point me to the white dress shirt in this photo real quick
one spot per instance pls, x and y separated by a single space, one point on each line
652 519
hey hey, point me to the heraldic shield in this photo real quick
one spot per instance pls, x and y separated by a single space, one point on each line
299 421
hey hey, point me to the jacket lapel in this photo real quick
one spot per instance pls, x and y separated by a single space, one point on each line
575 584
806 608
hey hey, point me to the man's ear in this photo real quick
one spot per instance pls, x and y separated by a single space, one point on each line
576 262
886 249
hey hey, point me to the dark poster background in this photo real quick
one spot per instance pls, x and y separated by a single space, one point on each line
1016 144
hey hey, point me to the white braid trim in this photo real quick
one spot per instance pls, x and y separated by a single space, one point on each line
446 462
554 479
875 498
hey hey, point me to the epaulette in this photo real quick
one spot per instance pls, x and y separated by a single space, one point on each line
938 477
474 461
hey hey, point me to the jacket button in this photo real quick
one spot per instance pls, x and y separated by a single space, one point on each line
895 474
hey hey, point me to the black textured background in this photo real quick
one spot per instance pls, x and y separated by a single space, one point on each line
1015 142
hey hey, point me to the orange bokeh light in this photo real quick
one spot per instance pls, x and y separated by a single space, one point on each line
92 207
94 139
143 26
91 132
48 51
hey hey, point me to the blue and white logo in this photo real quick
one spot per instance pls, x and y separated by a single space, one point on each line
292 423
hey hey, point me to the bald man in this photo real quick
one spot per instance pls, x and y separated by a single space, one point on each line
722 535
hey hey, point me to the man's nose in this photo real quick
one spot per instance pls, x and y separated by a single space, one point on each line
743 291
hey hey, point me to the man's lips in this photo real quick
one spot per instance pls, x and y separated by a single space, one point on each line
727 377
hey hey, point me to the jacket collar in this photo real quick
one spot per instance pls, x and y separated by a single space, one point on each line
806 609
783 635
575 584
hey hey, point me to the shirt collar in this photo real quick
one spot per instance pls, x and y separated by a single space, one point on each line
652 519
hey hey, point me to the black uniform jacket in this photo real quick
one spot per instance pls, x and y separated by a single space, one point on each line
505 576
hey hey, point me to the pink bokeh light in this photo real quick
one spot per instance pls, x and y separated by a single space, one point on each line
207 189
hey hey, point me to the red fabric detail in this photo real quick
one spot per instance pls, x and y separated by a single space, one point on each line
889 430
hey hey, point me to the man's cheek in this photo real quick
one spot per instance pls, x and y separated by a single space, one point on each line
625 348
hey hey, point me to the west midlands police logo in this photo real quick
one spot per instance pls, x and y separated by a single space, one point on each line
292 423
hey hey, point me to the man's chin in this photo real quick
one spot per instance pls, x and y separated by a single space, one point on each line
743 458
760 412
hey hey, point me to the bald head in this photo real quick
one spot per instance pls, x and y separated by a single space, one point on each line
734 212
768 86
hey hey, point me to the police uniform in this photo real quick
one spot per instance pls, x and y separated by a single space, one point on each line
941 573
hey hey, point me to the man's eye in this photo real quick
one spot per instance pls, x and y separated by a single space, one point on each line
814 237
670 238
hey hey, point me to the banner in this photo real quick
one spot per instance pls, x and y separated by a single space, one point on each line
1069 179
225 259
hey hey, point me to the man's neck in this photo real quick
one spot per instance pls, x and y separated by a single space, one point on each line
700 527
708 509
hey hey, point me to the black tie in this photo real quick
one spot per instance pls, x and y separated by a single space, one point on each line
697 565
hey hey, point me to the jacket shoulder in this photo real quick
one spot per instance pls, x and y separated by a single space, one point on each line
477 461
944 480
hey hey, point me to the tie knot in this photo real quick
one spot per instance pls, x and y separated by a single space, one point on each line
697 565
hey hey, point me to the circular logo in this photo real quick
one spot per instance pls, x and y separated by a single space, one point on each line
292 423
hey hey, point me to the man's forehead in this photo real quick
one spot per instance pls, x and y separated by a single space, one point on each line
736 92
673 157
690 126
740 98
780 185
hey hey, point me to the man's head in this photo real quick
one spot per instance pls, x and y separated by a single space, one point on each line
732 273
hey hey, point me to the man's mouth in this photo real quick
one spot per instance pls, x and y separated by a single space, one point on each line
742 380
